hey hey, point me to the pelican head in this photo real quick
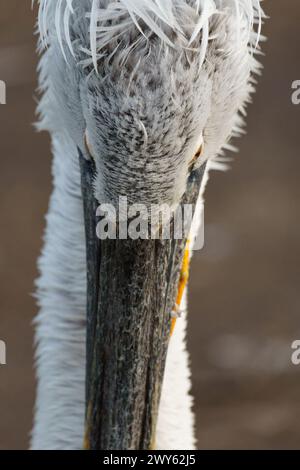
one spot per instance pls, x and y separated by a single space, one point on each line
149 92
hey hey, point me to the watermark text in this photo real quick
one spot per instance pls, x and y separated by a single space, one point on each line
2 92
296 92
2 353
141 222
296 354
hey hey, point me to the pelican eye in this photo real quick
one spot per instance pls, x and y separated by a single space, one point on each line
88 155
196 157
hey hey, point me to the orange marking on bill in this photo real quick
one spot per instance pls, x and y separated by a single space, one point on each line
183 280
86 440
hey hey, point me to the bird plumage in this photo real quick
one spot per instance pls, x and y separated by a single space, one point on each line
135 72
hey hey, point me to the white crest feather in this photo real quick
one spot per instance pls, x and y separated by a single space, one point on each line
184 19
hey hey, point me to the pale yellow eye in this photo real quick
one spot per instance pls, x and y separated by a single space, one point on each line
196 157
89 152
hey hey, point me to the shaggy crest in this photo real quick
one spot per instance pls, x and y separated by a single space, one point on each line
176 22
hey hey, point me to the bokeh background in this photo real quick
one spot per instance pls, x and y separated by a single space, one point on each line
244 291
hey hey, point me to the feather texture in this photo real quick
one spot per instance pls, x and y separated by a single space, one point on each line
206 97
177 23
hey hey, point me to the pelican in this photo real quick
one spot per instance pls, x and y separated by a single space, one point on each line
140 98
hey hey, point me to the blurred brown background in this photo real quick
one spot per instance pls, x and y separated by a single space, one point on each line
244 292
